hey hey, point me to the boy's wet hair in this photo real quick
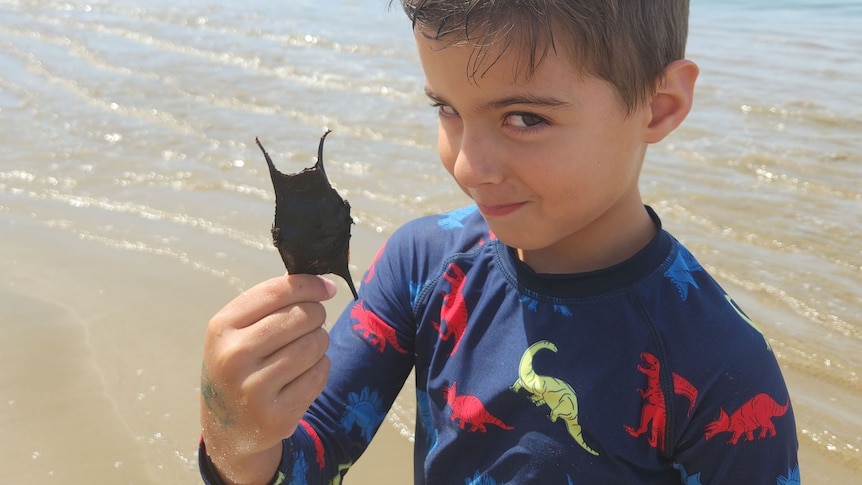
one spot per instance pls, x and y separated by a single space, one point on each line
625 42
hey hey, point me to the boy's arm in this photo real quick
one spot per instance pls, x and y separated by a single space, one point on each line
263 365
372 353
370 359
744 429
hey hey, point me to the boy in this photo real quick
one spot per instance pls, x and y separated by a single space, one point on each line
558 334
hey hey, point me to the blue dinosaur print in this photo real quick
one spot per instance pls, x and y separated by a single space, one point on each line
415 289
686 478
532 303
455 219
792 477
423 405
363 411
680 273
478 479
300 469
563 310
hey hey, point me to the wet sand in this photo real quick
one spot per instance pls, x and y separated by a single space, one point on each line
102 351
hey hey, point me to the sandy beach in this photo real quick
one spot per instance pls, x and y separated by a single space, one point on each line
104 348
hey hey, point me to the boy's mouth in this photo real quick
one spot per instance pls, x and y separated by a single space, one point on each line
499 210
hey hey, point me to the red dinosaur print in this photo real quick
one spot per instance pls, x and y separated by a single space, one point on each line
755 413
370 274
491 237
469 410
654 411
453 313
318 444
374 329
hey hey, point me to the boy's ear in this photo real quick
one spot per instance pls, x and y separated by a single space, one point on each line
673 99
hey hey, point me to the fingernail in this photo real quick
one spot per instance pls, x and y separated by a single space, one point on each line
331 288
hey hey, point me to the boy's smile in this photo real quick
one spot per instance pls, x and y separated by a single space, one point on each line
551 159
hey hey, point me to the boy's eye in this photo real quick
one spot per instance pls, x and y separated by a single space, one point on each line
445 109
523 120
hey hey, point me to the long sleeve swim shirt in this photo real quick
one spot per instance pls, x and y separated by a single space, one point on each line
646 372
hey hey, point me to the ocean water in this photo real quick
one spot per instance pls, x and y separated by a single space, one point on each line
134 202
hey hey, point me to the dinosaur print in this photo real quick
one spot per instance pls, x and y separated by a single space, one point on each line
792 477
555 393
374 329
318 444
533 305
415 288
423 408
754 414
563 310
342 470
480 479
369 275
299 470
680 273
280 479
455 219
686 478
453 312
654 410
470 411
364 411
491 237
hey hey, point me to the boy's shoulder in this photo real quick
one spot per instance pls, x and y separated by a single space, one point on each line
687 301
455 220
421 245
700 325
456 230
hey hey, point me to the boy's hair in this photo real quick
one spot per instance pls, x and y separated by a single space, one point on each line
625 42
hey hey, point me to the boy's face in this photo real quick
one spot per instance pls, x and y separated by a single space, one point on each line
552 161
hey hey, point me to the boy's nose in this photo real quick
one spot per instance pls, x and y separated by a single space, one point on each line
478 161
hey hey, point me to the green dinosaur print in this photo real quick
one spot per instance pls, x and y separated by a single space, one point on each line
555 393
342 469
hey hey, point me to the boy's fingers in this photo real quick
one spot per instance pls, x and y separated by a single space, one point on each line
291 361
298 394
284 326
272 295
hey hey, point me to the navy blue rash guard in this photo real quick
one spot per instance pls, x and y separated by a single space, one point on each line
646 372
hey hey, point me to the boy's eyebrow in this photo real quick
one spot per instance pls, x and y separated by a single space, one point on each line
528 99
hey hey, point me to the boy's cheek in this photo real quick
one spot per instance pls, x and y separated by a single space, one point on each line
447 150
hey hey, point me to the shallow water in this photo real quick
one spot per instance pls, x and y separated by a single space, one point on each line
134 203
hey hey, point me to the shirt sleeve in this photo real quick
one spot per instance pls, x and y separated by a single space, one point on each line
743 429
372 353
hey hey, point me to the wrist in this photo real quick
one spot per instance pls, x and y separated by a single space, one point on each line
221 467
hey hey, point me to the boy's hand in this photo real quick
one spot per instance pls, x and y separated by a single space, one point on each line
263 365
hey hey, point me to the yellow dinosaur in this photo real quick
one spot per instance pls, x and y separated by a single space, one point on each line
336 480
555 393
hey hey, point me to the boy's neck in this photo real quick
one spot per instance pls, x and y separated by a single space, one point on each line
613 238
